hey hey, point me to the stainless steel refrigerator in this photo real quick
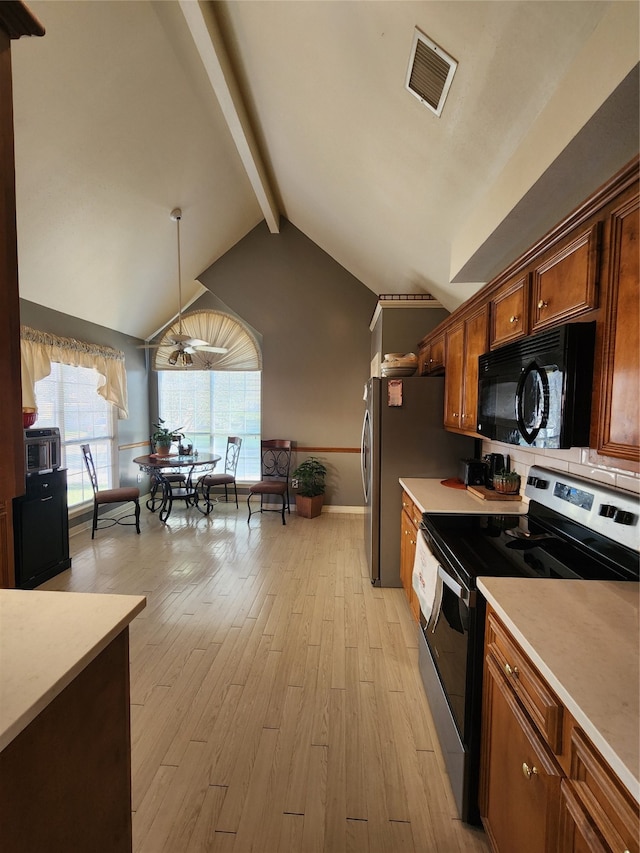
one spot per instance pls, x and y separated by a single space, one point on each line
406 440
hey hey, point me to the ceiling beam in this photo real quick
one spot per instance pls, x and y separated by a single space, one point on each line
209 43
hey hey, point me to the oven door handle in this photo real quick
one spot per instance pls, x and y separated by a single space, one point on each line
448 581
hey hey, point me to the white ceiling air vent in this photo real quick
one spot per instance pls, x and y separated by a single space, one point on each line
430 72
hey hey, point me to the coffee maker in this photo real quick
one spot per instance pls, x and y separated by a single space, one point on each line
496 463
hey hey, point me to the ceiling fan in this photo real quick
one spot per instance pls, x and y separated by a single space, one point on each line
184 345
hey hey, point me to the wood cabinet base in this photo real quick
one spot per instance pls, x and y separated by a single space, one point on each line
65 781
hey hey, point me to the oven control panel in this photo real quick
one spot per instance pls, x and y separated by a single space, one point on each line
611 512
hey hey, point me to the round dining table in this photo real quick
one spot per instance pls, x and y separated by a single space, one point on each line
160 468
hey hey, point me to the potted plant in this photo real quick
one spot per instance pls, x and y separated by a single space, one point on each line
507 482
163 438
310 476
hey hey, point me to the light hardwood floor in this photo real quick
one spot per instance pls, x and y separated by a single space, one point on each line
276 700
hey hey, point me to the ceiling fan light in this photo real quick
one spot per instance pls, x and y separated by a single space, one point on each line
187 359
173 358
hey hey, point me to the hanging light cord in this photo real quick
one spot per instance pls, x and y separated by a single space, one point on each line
178 217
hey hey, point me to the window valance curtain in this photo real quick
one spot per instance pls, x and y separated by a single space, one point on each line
39 349
219 329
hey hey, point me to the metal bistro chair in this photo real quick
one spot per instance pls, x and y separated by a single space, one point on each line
275 463
210 481
110 496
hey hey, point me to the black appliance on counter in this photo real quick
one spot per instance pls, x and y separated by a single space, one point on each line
537 391
41 529
574 528
42 449
473 472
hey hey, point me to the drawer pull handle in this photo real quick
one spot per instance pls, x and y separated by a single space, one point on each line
528 772
512 670
412 541
514 318
543 304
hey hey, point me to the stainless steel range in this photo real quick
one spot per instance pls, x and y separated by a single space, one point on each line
574 528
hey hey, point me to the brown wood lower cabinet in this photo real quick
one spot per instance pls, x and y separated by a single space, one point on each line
544 788
409 532
520 809
596 813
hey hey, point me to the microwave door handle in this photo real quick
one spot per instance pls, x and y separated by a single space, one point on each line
530 435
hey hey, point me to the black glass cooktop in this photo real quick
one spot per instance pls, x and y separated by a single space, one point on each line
546 545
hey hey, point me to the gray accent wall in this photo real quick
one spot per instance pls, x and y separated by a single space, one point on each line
314 319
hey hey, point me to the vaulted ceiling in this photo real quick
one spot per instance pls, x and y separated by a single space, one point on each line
251 110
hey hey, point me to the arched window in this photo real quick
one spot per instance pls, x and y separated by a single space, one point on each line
220 393
218 329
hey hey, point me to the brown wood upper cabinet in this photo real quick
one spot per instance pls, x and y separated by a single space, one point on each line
619 414
564 283
558 279
464 343
509 311
431 357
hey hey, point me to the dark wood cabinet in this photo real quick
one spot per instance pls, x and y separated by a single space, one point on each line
596 813
544 787
409 531
521 804
584 269
564 282
15 21
41 529
618 429
509 312
431 357
464 343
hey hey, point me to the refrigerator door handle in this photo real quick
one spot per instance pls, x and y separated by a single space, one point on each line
365 454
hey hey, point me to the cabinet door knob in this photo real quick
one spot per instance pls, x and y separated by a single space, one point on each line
514 318
511 670
527 771
412 541
543 304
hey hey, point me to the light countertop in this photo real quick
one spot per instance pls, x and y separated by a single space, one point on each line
583 638
48 638
431 496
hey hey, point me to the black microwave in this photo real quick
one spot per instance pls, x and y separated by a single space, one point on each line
536 392
41 449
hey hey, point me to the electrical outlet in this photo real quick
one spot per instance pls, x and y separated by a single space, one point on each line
139 476
294 484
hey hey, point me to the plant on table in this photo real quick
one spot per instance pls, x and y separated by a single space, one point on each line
163 437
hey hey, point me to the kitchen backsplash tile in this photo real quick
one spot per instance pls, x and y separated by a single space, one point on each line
580 461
